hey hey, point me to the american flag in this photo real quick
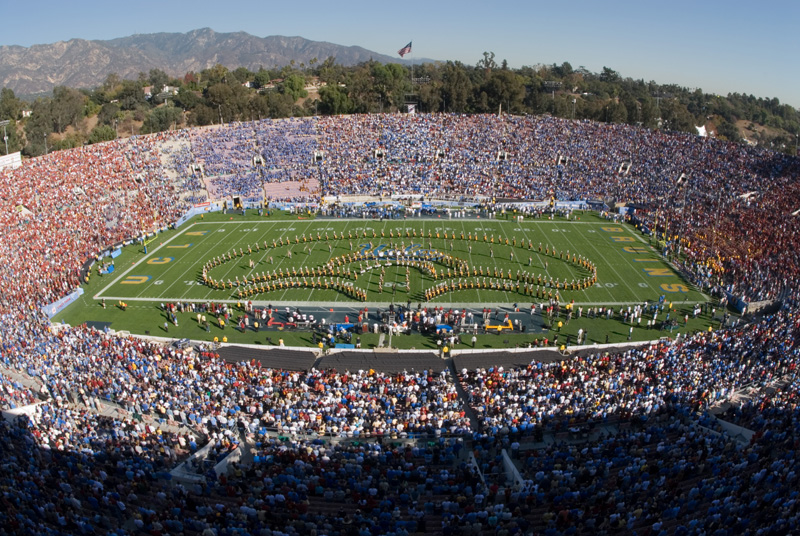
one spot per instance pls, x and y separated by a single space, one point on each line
405 50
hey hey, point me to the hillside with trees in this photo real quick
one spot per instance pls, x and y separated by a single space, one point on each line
156 102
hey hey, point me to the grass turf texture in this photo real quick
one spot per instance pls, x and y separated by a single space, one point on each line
629 271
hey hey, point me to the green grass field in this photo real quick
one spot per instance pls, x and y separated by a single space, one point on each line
471 263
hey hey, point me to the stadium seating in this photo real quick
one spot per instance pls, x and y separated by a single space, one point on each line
611 442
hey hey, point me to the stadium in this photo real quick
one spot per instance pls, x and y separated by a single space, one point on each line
129 411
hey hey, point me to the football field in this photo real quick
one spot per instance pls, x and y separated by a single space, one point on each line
333 268
468 262
445 262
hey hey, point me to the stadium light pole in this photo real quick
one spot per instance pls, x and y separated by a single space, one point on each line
5 122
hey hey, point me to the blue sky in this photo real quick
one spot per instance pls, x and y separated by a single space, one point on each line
721 47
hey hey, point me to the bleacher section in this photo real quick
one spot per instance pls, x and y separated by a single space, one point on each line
607 441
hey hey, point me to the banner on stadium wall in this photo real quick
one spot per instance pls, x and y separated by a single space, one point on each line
597 205
183 219
196 210
458 204
289 206
57 306
11 161
116 253
573 205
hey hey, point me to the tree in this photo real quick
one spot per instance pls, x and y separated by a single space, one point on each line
676 117
728 131
456 87
66 107
294 85
333 100
158 79
262 78
258 107
310 107
362 90
279 104
649 113
231 101
14 142
487 63
242 75
38 126
108 113
330 72
102 133
633 108
503 88
161 119
186 98
616 112
91 107
430 97
203 114
111 82
214 75
609 75
130 95
70 141
190 81
10 105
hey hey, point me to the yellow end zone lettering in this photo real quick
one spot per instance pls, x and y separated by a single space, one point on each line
196 233
674 287
612 229
623 239
658 272
160 260
634 249
179 247
135 279
646 260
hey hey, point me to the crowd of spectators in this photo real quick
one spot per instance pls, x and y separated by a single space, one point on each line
774 415
68 468
712 199
695 372
667 475
13 394
64 208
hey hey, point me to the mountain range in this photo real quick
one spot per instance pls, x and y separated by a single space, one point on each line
85 64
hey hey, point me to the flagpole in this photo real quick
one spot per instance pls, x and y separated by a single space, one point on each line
411 59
